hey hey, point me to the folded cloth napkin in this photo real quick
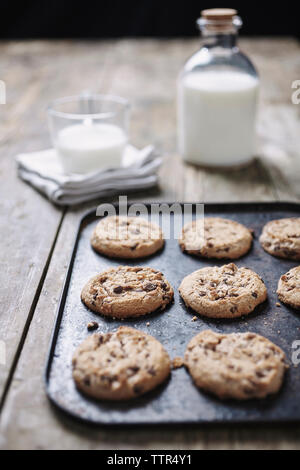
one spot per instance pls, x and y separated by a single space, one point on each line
44 172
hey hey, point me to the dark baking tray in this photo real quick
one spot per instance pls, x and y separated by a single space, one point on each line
178 400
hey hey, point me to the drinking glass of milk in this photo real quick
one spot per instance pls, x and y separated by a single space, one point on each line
217 96
89 132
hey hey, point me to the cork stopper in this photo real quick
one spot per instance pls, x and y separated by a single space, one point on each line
215 14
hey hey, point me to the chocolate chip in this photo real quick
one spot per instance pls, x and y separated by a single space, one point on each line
233 309
137 389
164 286
210 245
211 347
260 374
254 294
107 378
290 252
86 381
149 287
134 369
95 296
152 371
93 325
251 336
134 247
118 290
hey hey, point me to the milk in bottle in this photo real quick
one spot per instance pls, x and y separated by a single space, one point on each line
217 97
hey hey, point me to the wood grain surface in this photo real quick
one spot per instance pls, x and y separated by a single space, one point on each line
37 238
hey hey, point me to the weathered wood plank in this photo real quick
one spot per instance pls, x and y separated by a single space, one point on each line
278 62
145 72
28 222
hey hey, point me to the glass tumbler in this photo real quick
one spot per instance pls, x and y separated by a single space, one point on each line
89 132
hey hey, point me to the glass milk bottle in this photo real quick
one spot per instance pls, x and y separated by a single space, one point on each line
217 96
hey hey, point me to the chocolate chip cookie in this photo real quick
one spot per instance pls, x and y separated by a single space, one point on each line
282 238
223 292
214 237
120 365
127 291
126 237
289 288
237 365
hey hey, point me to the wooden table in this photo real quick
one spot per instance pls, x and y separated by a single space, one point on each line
36 237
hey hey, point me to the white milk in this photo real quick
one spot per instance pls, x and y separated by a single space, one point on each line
88 147
216 111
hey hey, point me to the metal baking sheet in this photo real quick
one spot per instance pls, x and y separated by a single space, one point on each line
178 400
